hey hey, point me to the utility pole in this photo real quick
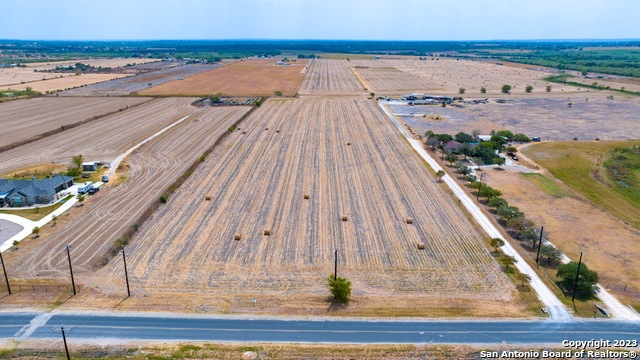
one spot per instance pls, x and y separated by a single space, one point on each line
575 283
64 339
73 283
539 244
126 275
481 176
335 272
4 270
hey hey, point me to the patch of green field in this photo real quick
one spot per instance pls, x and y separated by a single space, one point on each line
583 167
36 214
547 185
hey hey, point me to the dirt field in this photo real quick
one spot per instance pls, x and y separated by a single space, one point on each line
550 118
574 223
66 82
19 77
16 77
258 180
382 77
24 119
102 139
161 73
112 63
446 76
106 215
246 78
326 77
452 120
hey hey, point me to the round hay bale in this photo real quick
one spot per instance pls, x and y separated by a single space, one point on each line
237 237
244 132
348 144
208 198
409 220
420 246
266 232
278 131
265 129
344 218
306 196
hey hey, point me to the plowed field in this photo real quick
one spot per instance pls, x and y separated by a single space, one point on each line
257 181
245 78
152 169
24 119
102 139
329 77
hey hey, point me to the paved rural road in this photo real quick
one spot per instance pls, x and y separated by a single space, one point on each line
96 327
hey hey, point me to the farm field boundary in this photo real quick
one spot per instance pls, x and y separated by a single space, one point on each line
66 127
128 234
115 210
257 180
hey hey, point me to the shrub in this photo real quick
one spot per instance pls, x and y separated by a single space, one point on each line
496 243
163 198
506 88
340 288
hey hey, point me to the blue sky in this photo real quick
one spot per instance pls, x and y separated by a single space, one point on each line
319 19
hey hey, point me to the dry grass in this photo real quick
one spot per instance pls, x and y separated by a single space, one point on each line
257 181
579 164
245 78
572 224
112 63
41 350
21 77
446 76
64 83
24 119
102 139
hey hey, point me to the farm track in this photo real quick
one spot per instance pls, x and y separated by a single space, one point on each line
27 119
327 76
99 140
152 169
257 181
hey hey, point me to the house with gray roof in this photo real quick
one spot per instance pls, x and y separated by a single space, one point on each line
17 193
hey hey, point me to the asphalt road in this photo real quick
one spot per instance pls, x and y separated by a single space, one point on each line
90 327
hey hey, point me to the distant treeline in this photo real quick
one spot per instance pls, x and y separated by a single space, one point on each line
620 57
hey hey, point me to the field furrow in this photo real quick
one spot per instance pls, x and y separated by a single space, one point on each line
153 168
103 139
326 76
257 181
24 119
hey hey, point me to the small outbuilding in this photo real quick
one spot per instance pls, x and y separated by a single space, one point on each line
90 166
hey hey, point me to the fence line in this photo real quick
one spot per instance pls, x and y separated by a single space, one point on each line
36 288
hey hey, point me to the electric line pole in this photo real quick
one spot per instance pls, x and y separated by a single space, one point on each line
539 244
575 283
4 270
126 275
73 283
